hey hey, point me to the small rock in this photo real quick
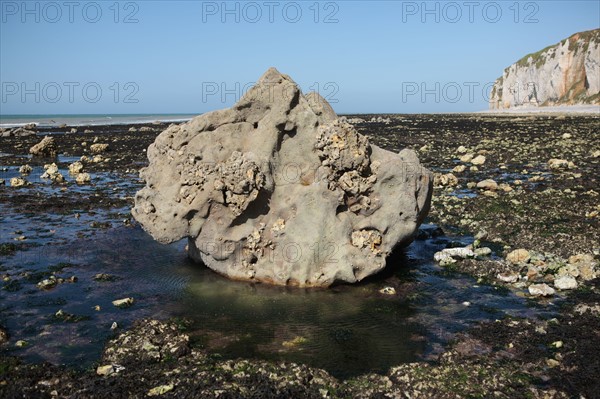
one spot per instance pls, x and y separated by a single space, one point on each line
388 291
567 136
478 160
75 168
21 343
488 184
3 336
123 303
98 148
83 178
47 284
133 129
565 283
18 182
52 173
459 168
541 290
104 277
483 251
552 363
45 148
558 163
109 369
445 180
160 390
518 256
466 158
25 170
557 344
462 149
453 253
114 326
481 235
508 277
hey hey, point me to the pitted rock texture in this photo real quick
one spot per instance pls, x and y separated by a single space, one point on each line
566 73
277 189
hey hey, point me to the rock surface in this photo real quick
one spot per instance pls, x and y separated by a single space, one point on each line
45 148
565 73
278 190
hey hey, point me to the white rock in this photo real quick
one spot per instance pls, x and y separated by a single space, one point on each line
541 290
487 184
508 277
565 283
478 160
463 253
123 303
18 182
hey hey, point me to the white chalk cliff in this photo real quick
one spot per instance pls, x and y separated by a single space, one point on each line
567 73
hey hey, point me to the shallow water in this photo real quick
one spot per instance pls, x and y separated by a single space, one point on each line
347 329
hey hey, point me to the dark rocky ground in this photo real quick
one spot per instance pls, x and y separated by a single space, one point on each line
551 213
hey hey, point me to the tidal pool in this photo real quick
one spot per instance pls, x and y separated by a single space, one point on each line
347 329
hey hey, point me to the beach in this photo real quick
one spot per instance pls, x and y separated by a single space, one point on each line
69 250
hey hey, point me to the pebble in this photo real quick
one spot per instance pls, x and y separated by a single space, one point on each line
454 253
18 182
565 283
160 390
541 290
123 303
488 184
83 178
478 160
459 169
21 343
508 277
388 291
25 169
483 251
518 256
466 158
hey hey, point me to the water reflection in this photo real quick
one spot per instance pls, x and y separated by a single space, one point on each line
347 329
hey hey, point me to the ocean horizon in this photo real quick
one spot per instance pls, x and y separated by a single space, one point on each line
54 120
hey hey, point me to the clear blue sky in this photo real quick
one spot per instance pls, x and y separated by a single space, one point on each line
180 56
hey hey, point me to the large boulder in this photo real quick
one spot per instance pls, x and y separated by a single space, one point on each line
277 189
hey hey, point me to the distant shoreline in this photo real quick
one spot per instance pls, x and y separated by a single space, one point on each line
558 109
53 121
50 121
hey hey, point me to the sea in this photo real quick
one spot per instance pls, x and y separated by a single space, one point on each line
9 121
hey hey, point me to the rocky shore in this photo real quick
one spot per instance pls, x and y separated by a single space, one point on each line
525 187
